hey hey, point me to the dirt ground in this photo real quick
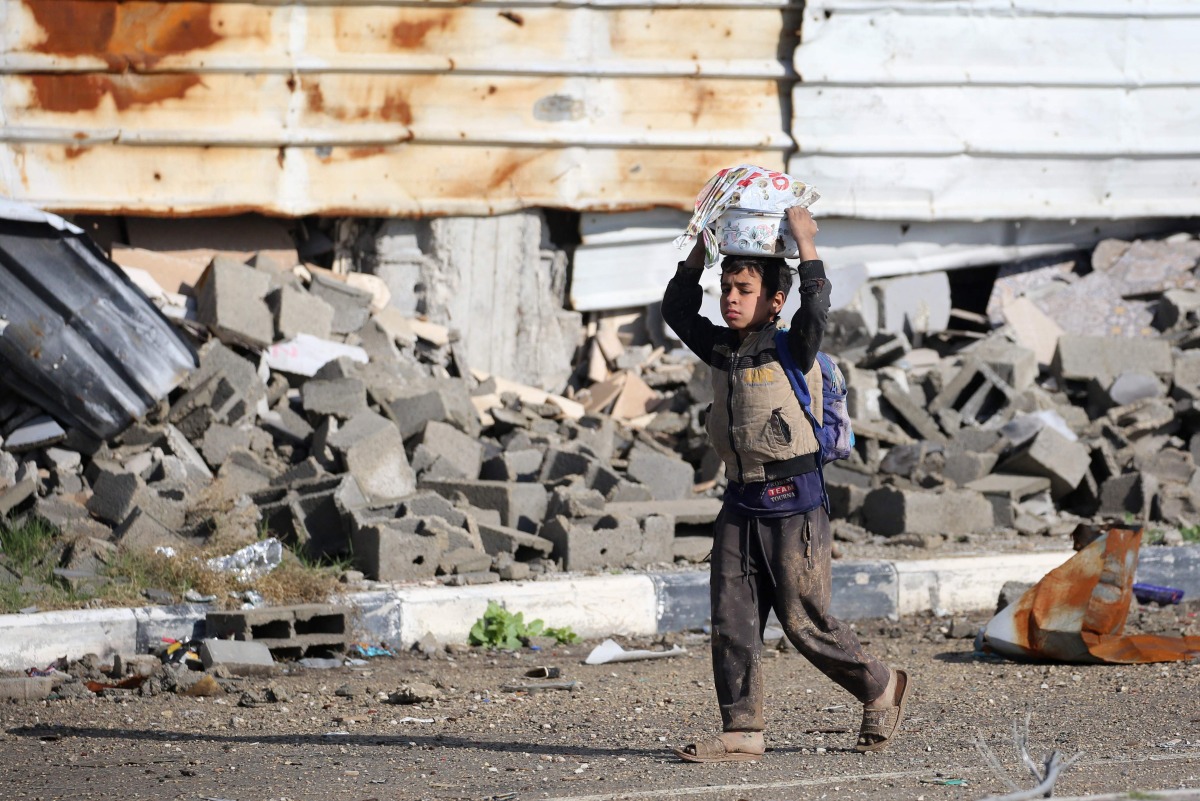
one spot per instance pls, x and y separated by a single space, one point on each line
335 738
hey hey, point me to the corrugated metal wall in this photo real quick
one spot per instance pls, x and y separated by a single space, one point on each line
1016 109
385 108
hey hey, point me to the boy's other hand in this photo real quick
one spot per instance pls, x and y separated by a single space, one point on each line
695 259
804 230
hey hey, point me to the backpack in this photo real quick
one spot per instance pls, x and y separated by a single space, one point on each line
835 436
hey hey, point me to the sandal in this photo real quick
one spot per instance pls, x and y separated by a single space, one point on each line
714 749
879 726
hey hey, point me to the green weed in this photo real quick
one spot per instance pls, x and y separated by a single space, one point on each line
1190 533
500 628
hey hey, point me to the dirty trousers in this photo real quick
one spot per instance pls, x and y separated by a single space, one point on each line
759 564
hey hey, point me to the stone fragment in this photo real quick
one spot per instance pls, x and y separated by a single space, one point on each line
1080 358
890 511
230 300
1052 455
238 657
460 453
1128 494
298 312
342 398
373 452
114 496
667 477
351 306
1006 492
521 505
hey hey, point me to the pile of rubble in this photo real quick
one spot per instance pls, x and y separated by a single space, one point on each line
347 428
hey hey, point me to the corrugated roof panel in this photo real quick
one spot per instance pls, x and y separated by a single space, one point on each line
469 108
958 111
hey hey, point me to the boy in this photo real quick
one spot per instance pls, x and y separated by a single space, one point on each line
771 542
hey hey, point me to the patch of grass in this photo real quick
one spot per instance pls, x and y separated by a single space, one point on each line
500 628
27 544
1190 533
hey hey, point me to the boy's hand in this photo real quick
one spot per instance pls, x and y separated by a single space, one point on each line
804 230
695 259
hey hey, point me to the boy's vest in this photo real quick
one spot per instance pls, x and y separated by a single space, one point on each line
757 425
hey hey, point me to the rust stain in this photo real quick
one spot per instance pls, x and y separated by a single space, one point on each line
394 108
73 152
69 93
513 17
128 36
364 152
411 33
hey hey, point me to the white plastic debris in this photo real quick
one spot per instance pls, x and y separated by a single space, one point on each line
609 651
252 561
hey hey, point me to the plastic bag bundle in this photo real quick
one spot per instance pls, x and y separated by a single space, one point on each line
746 187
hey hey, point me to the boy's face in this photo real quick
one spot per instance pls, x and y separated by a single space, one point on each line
745 304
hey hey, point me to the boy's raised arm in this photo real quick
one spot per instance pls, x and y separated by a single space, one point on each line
681 306
809 322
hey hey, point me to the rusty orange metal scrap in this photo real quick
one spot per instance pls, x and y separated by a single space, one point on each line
1077 612
210 108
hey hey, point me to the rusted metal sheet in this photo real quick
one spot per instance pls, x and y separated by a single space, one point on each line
1077 612
384 108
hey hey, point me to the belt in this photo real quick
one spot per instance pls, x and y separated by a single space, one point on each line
786 468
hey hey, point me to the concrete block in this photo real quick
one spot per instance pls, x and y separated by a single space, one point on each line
977 393
23 488
351 306
909 304
447 400
290 632
464 560
373 452
239 657
521 505
559 464
141 532
611 542
386 552
909 413
1128 494
890 511
114 496
450 446
230 300
1015 364
963 467
1006 492
573 501
668 478
1079 358
499 540
691 512
1168 465
430 504
25 689
299 312
514 465
194 465
220 440
1052 455
246 472
286 425
342 398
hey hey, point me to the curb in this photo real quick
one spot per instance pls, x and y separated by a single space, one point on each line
632 604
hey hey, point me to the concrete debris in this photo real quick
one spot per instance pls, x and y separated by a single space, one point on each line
332 412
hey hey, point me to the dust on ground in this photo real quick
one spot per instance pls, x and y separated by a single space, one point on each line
335 737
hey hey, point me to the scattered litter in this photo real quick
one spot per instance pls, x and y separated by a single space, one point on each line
946 782
415 720
543 673
1077 612
1152 593
194 597
129 683
370 651
540 686
252 561
321 663
609 651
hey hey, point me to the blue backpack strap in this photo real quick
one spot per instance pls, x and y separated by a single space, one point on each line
795 377
800 387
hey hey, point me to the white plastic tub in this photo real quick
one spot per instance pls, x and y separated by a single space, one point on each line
746 232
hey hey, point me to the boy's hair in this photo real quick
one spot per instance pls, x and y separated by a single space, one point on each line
775 274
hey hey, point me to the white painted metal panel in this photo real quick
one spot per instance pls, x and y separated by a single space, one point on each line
975 110
625 260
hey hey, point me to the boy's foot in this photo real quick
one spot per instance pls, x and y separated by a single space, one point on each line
731 746
882 717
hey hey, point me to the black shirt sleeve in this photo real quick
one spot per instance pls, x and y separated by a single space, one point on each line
681 311
809 322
